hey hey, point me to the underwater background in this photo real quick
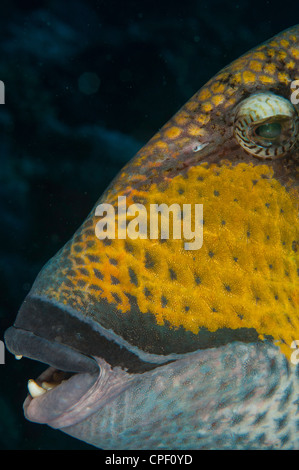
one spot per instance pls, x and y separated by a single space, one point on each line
87 83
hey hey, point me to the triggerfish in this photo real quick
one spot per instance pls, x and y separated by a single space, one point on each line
155 346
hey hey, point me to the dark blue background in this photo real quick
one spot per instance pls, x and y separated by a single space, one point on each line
60 147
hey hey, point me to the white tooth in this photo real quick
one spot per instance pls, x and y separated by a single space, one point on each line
48 385
18 357
34 389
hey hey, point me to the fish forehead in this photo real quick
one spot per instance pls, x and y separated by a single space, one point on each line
242 283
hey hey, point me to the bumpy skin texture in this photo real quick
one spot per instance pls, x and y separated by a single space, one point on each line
232 397
242 284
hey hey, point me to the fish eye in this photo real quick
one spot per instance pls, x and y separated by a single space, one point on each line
271 130
266 125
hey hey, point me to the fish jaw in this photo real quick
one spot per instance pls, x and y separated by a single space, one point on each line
252 397
190 402
169 407
76 398
233 396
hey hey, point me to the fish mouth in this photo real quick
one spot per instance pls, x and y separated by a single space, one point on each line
73 387
86 370
61 386
62 399
54 394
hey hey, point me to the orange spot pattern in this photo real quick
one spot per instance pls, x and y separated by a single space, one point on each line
245 275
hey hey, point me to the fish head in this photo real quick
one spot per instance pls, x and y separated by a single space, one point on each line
162 335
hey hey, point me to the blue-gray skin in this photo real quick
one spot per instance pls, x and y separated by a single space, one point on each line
234 397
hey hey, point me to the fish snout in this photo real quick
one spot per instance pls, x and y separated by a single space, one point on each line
40 333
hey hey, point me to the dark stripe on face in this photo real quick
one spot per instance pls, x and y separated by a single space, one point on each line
40 324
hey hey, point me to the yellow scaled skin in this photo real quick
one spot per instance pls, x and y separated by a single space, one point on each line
245 274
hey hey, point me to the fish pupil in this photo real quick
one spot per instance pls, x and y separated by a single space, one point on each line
269 131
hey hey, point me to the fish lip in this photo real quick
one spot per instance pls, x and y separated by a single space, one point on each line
54 403
78 397
60 356
92 384
51 407
42 332
62 324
